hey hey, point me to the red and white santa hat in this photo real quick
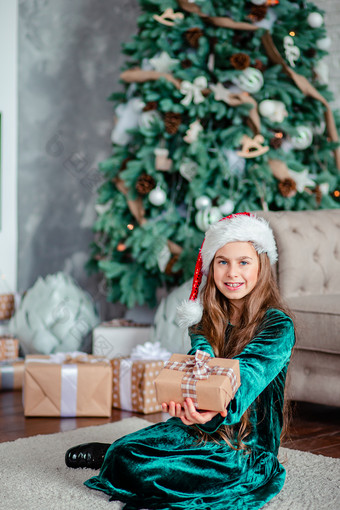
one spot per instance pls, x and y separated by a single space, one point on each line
236 227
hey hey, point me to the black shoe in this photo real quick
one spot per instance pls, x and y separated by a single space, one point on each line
87 455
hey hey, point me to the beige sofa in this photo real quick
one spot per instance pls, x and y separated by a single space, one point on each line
308 274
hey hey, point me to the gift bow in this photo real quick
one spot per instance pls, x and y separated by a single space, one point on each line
197 368
193 91
150 351
201 369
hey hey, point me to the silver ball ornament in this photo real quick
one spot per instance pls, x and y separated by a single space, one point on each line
303 139
202 202
227 207
157 196
324 43
207 217
314 20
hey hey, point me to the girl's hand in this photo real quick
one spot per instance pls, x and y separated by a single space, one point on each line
189 414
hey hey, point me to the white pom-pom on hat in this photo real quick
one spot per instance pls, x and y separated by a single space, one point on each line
239 227
189 313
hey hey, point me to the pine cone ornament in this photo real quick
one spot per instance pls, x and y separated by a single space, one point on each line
172 121
258 12
193 36
240 61
145 184
151 105
186 63
259 65
275 142
287 188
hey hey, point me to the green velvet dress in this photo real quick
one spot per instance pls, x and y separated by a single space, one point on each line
164 466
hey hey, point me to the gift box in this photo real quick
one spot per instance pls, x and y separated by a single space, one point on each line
210 382
133 378
9 347
11 374
7 305
67 384
116 338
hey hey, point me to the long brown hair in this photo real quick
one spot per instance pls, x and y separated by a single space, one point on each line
215 319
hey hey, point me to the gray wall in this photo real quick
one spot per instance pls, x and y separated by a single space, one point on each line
69 60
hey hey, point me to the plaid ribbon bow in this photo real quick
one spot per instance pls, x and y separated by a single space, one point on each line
196 369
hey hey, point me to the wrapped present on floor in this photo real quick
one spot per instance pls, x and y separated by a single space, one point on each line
210 382
133 378
67 384
9 347
11 374
116 338
7 305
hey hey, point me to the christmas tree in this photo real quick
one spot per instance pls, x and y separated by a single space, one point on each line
225 108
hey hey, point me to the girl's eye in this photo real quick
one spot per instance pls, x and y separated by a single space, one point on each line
244 262
223 262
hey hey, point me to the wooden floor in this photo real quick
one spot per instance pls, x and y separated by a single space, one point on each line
315 428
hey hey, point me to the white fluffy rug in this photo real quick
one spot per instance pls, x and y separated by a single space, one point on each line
33 475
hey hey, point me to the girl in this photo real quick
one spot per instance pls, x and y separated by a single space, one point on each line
203 459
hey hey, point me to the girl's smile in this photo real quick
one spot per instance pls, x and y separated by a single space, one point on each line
236 267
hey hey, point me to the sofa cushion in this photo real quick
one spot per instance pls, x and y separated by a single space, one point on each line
317 321
309 251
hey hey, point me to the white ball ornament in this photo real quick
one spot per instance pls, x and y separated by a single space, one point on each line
227 207
303 139
324 44
207 217
202 202
274 110
314 20
258 2
157 196
267 107
250 80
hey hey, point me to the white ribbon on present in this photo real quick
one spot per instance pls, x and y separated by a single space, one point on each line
193 91
69 377
148 351
125 384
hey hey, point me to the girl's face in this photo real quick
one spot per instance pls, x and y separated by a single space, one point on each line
236 268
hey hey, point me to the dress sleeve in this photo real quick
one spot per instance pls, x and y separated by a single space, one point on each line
199 342
261 361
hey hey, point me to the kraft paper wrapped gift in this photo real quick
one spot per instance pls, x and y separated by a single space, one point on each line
116 338
133 378
67 384
9 348
210 382
11 374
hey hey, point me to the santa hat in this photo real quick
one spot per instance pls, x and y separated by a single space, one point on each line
236 227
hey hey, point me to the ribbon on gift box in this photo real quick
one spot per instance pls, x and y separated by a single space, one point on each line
197 369
69 376
11 374
150 351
